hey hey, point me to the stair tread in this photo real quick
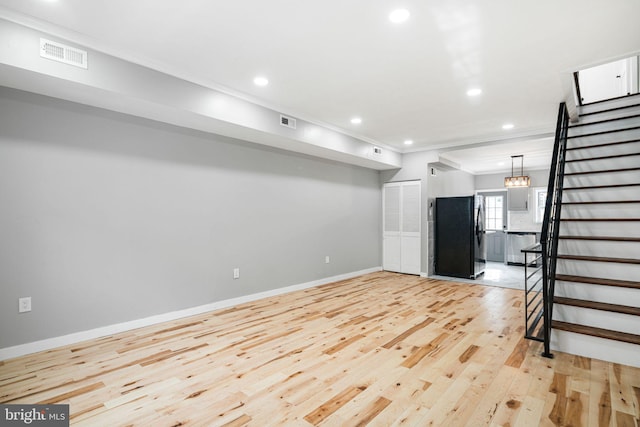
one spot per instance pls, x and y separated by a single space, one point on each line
598 281
596 332
602 144
602 171
613 119
599 259
604 132
617 308
614 156
603 238
608 110
617 98
591 187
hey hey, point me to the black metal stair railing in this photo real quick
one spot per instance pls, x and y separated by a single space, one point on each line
533 296
551 224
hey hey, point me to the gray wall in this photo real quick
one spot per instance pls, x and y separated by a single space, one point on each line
451 183
107 218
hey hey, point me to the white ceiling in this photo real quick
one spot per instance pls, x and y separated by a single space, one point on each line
328 61
494 158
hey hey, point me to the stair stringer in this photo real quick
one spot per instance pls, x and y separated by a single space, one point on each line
577 343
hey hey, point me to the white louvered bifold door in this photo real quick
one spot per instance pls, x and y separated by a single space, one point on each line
391 227
410 228
401 227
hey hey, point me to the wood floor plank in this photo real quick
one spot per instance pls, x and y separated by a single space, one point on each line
518 355
622 395
408 332
369 412
238 422
494 394
558 388
530 413
464 396
332 405
625 420
575 414
344 342
421 352
381 349
512 404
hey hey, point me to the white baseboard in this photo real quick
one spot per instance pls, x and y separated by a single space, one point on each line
74 338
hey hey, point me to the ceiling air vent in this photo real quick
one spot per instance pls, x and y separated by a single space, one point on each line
63 53
288 121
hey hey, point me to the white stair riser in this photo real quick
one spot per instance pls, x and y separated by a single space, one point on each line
625 135
597 318
620 210
607 105
609 270
602 164
599 248
615 178
606 115
624 123
597 228
609 150
595 348
602 194
599 293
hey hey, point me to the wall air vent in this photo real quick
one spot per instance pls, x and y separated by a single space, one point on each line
63 53
288 121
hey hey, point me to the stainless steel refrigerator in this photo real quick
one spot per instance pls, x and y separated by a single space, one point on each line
460 249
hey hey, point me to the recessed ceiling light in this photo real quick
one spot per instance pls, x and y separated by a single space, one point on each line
474 92
261 81
408 142
507 126
399 15
356 120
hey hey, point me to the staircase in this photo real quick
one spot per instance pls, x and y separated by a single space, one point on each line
596 302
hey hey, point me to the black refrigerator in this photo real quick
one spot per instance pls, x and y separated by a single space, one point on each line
460 249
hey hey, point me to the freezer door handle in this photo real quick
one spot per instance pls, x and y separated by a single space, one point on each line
479 225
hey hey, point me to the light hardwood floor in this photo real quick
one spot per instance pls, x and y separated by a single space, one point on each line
382 349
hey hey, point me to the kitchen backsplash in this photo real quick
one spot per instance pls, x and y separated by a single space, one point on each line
522 221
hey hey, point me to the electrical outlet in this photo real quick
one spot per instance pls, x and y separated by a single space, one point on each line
236 273
327 260
24 304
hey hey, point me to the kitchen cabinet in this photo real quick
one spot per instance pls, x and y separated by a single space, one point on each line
516 241
518 199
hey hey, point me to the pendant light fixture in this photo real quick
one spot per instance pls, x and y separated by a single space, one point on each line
517 181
